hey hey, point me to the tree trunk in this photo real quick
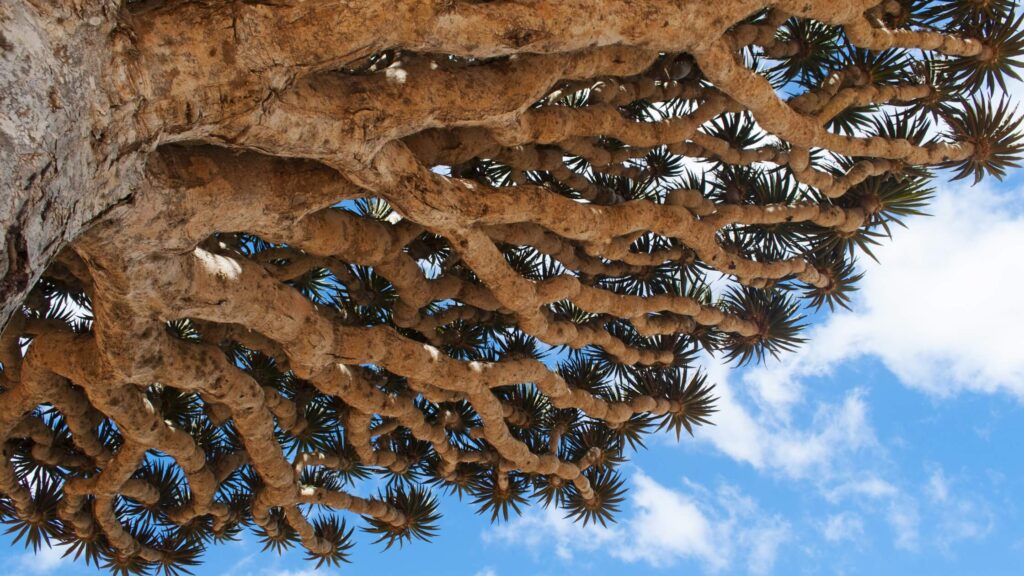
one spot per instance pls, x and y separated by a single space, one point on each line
63 161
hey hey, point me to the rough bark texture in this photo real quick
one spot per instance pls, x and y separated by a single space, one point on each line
67 153
287 245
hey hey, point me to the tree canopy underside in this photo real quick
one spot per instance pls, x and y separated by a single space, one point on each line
461 246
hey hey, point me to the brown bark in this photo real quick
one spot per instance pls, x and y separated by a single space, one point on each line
68 150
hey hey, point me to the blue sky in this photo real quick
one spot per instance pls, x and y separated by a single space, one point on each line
890 444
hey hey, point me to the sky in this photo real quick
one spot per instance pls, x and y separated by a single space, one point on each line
889 444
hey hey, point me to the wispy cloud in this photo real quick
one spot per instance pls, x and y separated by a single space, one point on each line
720 529
757 436
548 530
843 526
311 571
866 486
905 520
964 512
48 560
938 486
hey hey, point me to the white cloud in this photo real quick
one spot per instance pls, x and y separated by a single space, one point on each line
1015 89
937 310
954 515
764 543
761 439
549 526
304 572
933 514
486 572
905 520
717 529
843 526
938 487
961 514
864 486
669 526
965 518
47 560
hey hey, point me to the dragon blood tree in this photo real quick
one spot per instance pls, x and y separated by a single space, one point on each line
256 253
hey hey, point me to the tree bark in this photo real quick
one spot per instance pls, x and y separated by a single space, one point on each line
65 156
